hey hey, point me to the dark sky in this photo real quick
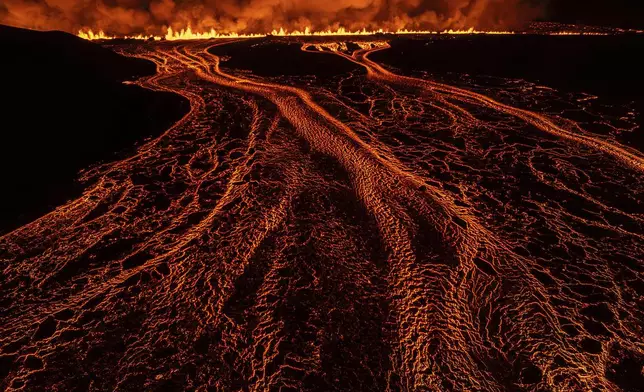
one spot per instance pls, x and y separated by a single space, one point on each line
624 13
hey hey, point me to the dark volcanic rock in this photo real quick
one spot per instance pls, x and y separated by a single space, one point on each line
608 66
46 329
275 57
6 362
33 362
65 108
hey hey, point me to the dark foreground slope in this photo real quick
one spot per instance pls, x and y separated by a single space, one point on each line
65 108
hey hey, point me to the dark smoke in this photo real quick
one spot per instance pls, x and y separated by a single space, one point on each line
261 16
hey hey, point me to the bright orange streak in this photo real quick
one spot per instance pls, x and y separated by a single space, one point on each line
629 156
344 32
90 35
577 33
186 34
172 35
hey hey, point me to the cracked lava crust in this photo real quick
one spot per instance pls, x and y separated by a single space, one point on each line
370 230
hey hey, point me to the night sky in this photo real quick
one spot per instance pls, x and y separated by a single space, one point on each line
619 13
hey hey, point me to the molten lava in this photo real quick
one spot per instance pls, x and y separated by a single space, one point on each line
188 33
375 230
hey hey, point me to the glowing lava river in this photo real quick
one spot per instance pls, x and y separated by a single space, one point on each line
371 231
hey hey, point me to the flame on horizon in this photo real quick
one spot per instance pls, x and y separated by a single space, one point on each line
233 18
188 33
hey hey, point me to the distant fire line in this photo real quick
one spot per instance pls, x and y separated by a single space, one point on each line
186 34
189 34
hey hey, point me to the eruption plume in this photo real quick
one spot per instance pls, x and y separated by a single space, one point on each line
127 17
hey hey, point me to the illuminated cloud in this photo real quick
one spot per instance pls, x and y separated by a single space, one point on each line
261 16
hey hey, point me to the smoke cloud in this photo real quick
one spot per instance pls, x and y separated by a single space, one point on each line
261 16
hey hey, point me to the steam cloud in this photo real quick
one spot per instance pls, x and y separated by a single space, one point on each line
260 16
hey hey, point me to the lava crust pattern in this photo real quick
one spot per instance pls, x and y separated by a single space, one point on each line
374 231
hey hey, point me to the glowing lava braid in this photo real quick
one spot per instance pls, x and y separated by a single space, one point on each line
369 231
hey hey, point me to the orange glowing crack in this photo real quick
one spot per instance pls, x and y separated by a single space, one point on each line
399 239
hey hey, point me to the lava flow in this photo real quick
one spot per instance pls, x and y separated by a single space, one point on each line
189 34
369 231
